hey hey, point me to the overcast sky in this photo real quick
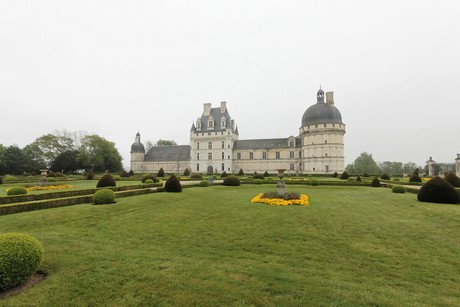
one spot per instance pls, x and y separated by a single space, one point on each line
117 67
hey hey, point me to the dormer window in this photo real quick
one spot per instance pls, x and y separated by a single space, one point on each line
210 124
223 122
198 124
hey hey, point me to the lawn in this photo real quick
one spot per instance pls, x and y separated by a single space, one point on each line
211 246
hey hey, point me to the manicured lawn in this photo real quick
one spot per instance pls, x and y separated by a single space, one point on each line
211 246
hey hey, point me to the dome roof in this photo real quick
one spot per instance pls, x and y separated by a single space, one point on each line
137 147
321 112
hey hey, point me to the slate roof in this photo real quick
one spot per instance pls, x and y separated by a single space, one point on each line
264 143
217 116
168 153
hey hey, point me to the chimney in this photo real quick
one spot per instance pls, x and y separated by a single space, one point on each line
206 109
330 98
223 107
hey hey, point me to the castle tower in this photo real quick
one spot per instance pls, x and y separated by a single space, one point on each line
457 165
137 154
212 137
431 167
321 136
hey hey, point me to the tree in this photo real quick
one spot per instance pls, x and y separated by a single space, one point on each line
98 154
66 162
392 168
161 142
409 167
34 157
13 160
364 164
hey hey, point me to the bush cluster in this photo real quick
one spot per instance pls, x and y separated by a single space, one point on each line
173 185
106 181
385 176
16 191
59 174
398 189
335 175
104 196
124 174
266 174
344 175
438 190
232 181
51 174
131 173
149 176
452 179
20 257
376 182
161 172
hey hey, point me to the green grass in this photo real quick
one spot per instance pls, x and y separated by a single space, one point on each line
211 246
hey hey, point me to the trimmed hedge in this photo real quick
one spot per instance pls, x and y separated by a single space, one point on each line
16 191
376 182
398 189
344 175
314 182
173 185
161 172
231 181
20 258
106 181
149 176
104 196
438 190
452 179
204 183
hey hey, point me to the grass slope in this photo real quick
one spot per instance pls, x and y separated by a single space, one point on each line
210 246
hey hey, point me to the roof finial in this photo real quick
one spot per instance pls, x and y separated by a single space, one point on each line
320 86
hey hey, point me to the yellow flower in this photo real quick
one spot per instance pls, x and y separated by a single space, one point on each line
49 187
302 201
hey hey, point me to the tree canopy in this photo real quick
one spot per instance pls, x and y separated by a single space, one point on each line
98 154
364 164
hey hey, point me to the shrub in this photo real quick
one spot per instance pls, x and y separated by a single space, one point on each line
232 181
395 179
9 178
160 189
223 175
131 173
351 179
398 189
358 178
161 172
116 177
438 190
314 182
58 174
124 174
1 180
415 178
344 175
187 172
173 185
104 196
20 257
51 174
376 182
148 181
89 175
196 176
385 176
241 173
16 191
258 181
452 179
258 176
52 179
204 183
335 175
106 181
266 174
149 176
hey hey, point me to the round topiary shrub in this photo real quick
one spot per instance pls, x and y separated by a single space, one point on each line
385 176
231 181
149 176
131 173
89 175
398 189
106 181
224 174
124 174
187 172
104 196
16 191
9 178
438 190
204 183
258 176
344 175
173 185
376 182
415 178
148 181
314 182
241 173
452 179
20 258
161 172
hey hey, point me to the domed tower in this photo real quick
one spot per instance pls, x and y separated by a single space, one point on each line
137 153
321 135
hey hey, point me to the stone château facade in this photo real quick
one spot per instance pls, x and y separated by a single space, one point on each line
215 146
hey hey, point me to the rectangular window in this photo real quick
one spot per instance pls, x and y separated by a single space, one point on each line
223 167
251 155
291 154
223 144
291 144
210 124
264 155
198 156
277 155
291 166
223 155
197 145
209 145
209 155
197 167
228 157
238 156
300 154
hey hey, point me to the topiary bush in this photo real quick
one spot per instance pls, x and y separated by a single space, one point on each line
258 176
124 174
224 174
20 258
106 181
16 191
9 178
116 177
344 175
89 175
173 185
415 178
376 182
149 176
204 183
58 174
438 190
266 174
314 182
161 172
232 181
51 174
452 179
398 189
385 176
358 178
104 196
196 176
187 172
335 175
52 179
148 181
131 173
241 173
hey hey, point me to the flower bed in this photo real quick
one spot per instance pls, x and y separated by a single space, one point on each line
49 187
289 199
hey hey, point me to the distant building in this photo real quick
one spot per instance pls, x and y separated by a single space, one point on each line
215 146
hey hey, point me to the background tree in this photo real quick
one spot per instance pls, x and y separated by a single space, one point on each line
34 158
98 154
364 164
392 168
66 162
409 167
13 160
161 142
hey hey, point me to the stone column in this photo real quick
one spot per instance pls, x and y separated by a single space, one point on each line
457 165
431 167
